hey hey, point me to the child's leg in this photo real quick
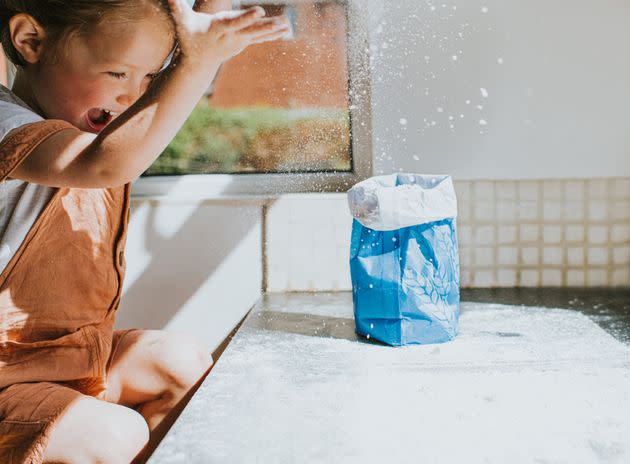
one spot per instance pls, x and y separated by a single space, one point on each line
152 370
49 422
92 430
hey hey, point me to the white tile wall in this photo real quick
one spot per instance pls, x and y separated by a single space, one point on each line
511 233
574 233
552 233
621 277
575 278
574 189
575 257
308 243
529 233
507 278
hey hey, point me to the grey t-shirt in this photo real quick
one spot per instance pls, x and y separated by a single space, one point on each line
20 202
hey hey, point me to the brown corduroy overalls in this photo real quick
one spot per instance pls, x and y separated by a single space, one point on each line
58 298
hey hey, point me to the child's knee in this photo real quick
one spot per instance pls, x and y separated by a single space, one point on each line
110 434
124 436
184 359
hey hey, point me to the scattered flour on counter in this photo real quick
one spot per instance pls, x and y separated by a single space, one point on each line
518 385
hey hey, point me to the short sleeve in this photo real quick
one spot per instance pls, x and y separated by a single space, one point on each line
13 116
14 112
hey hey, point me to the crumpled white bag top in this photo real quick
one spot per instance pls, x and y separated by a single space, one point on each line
402 200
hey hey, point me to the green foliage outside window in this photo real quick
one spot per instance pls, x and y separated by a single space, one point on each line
257 139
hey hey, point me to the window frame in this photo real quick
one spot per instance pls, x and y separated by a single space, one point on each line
207 186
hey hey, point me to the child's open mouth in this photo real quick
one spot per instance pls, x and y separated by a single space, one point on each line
98 118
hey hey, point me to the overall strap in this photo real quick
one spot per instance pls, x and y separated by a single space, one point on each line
20 142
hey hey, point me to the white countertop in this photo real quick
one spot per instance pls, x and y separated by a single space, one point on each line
518 385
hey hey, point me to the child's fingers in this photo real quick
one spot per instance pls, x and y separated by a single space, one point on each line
243 18
265 26
212 6
178 7
181 10
271 36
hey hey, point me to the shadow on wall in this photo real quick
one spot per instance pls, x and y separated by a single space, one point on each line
175 251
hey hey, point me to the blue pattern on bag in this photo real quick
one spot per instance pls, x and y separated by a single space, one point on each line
406 282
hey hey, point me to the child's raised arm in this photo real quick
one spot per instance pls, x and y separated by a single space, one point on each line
131 142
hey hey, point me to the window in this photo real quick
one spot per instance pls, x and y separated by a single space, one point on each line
291 109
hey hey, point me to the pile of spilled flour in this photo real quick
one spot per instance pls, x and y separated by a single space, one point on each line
519 385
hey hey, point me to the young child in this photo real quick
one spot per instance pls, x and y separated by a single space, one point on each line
93 104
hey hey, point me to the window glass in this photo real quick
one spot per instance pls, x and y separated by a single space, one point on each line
277 107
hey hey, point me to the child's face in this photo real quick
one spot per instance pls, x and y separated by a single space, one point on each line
105 71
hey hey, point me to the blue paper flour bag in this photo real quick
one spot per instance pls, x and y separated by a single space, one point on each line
404 261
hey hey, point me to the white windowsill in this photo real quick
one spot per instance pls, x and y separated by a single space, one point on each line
248 188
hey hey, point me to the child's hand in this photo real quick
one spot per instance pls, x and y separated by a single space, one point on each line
206 39
212 6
